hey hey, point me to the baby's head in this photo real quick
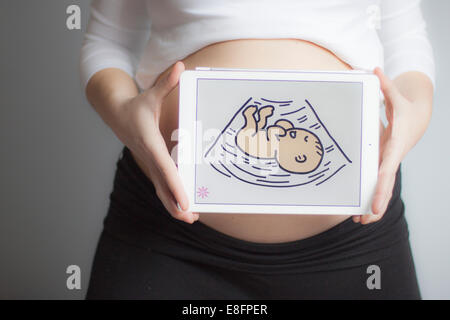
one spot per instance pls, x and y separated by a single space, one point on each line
299 151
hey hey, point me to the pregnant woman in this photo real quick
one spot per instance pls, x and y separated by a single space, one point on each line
151 247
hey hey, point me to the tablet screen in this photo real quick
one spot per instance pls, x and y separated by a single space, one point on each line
278 142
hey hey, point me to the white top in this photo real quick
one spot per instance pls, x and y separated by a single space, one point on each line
145 37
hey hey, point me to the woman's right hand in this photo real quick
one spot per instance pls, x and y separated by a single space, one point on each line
139 131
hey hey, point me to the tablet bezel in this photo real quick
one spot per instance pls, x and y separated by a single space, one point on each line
369 139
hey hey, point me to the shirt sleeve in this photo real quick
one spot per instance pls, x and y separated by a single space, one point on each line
404 38
115 37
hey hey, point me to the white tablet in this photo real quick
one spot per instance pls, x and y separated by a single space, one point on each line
278 141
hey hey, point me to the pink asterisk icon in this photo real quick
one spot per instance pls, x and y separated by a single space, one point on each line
202 192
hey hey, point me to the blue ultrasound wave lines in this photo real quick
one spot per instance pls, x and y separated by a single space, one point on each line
227 159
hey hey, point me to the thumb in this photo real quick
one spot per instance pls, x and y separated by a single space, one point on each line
169 81
387 85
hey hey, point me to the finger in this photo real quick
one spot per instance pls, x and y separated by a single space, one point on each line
390 93
382 128
385 184
387 85
168 199
356 219
381 194
168 82
382 142
168 170
370 218
388 198
169 203
162 191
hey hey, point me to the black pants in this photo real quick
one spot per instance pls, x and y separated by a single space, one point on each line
143 253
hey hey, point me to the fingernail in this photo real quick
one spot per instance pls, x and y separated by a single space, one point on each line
180 208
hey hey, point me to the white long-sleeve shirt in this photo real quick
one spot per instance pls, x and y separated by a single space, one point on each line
144 37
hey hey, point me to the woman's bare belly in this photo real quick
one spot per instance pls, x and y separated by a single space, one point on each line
268 54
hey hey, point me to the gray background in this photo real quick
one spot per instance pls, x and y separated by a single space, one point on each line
58 158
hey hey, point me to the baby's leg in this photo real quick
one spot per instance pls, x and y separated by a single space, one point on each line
250 126
246 136
264 113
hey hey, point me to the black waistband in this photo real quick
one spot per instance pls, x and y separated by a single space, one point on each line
136 215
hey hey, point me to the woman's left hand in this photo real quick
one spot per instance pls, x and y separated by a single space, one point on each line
407 121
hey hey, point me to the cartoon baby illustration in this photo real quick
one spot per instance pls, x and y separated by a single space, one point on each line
296 150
